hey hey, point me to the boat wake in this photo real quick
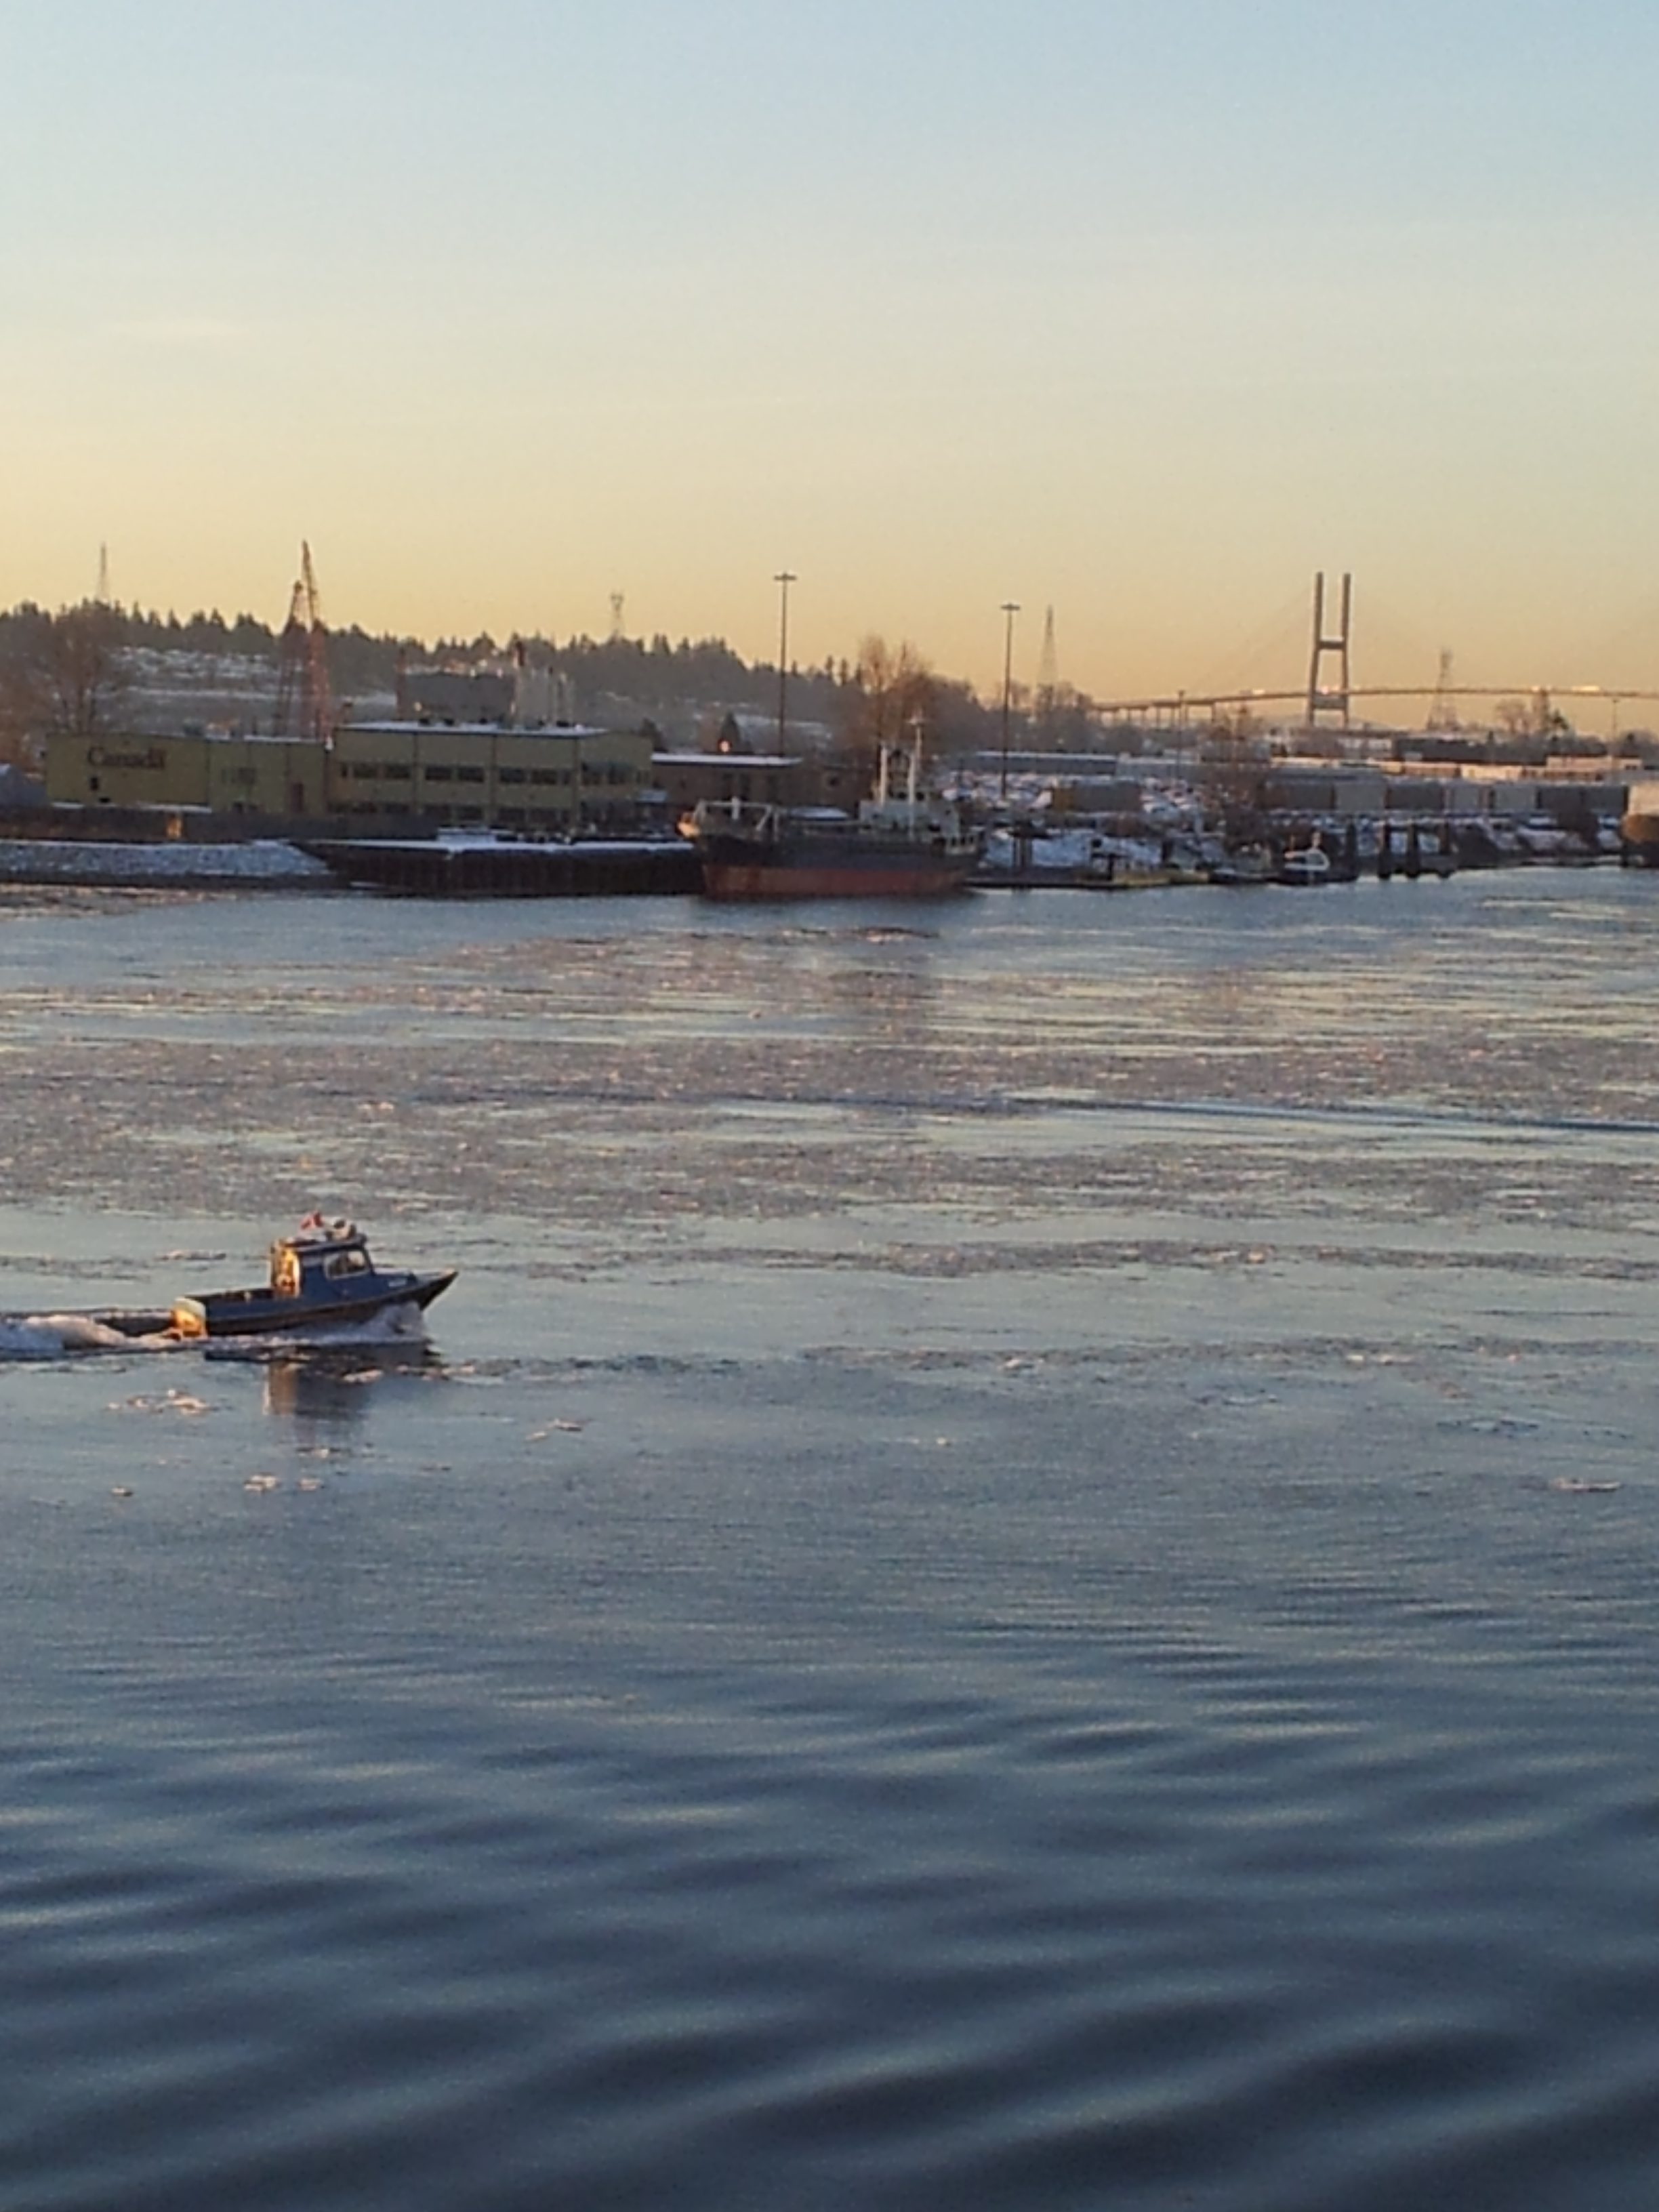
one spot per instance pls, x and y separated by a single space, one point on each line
49 1336
61 1336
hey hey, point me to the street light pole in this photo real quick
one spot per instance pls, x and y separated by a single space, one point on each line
1010 608
783 579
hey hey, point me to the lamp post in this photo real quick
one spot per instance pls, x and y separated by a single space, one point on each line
1009 609
783 579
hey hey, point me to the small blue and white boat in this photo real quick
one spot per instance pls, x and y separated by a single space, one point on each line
322 1276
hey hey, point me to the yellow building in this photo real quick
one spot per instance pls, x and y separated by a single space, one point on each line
477 774
557 777
277 777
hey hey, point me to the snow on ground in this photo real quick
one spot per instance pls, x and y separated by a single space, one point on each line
53 860
1071 851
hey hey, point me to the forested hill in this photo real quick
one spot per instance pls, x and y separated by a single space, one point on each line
656 674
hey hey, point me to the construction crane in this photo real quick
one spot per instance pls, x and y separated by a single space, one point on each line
305 706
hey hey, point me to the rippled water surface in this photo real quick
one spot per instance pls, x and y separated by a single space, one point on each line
1021 1572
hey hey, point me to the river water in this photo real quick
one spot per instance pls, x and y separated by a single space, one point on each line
1021 1573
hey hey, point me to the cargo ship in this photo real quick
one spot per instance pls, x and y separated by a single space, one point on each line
916 846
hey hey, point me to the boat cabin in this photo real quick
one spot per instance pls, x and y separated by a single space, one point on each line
319 1254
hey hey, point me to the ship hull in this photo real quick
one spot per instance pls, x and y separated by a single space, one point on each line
848 868
804 879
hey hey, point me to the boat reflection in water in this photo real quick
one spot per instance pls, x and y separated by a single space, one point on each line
331 1387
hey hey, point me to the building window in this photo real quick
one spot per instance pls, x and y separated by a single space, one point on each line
465 775
509 776
398 771
445 775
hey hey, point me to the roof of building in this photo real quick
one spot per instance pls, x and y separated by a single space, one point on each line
406 727
695 757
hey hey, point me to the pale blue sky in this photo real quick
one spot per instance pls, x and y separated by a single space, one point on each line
1140 311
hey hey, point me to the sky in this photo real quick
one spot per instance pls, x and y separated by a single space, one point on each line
1139 310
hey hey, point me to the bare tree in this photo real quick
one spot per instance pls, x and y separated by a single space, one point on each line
893 693
62 675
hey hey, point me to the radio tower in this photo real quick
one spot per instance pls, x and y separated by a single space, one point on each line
1443 710
1321 699
304 706
103 575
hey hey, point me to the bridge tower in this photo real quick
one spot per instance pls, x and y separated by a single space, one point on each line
1323 699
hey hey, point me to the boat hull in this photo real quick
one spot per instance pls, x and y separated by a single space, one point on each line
849 866
262 1313
806 879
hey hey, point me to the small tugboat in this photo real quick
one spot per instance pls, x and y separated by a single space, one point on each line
1240 866
320 1277
1306 864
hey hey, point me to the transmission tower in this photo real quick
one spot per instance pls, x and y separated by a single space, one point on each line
615 616
103 575
305 707
1443 710
1321 699
1047 682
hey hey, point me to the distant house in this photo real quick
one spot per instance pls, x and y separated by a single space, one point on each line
455 694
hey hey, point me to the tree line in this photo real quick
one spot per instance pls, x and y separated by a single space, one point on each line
73 671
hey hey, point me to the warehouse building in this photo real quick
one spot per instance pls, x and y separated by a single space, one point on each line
556 777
